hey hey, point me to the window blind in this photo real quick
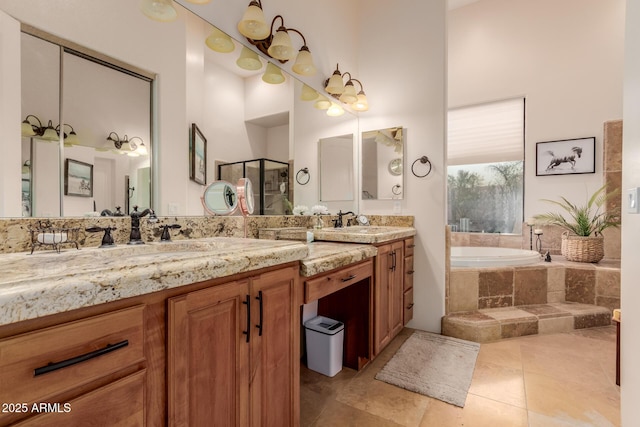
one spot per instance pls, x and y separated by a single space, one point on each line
486 133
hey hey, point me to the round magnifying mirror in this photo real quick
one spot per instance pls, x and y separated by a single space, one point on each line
395 167
245 196
220 198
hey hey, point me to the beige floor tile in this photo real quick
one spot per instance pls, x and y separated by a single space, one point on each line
571 401
505 353
499 383
337 414
539 420
478 412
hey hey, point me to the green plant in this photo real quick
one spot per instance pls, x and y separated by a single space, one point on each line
586 220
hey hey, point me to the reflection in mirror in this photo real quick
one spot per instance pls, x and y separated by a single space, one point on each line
245 196
336 168
220 198
383 164
99 100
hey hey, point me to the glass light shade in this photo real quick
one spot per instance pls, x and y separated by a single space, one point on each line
335 110
26 167
335 85
322 103
253 24
281 47
133 154
349 95
272 75
50 133
219 42
361 104
27 129
248 60
71 139
125 147
159 10
304 63
308 93
142 149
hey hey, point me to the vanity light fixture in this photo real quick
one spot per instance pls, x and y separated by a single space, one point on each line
272 75
48 133
346 92
219 41
276 45
322 103
335 110
248 60
159 10
126 145
308 93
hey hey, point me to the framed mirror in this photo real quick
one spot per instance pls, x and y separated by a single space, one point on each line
383 164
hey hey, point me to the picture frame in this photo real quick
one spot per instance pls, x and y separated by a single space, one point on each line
566 156
197 156
78 178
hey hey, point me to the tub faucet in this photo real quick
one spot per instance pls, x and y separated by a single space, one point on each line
134 237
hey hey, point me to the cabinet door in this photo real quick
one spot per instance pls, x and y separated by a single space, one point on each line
275 349
396 288
208 357
382 332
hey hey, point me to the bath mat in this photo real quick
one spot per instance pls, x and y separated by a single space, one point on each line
434 365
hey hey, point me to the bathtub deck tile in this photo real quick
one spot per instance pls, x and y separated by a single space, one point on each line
509 315
546 311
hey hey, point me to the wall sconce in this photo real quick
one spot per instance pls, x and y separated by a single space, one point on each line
48 133
346 92
248 60
272 75
278 46
159 10
219 41
127 146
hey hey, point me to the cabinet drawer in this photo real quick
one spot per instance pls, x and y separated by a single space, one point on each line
335 280
408 272
39 365
408 306
409 244
120 403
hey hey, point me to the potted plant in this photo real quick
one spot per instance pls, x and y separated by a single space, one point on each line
582 240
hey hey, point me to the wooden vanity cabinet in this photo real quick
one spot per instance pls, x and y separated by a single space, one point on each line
234 353
69 373
409 245
389 294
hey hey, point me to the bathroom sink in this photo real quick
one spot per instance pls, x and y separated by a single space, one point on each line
364 233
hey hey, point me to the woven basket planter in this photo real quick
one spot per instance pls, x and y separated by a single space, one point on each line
582 249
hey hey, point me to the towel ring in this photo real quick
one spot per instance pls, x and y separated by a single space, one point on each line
301 174
396 189
423 160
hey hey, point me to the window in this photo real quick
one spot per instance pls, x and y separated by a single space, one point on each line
485 167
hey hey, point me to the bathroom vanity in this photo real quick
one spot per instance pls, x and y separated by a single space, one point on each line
186 332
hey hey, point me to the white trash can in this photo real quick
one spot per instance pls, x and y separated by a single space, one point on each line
324 345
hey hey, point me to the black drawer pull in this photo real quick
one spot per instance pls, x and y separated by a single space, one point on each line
410 306
79 359
346 279
259 298
410 271
247 302
411 246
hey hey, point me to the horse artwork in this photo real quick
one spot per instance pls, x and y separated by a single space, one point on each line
567 156
570 158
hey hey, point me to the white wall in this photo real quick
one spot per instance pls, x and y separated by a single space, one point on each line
630 291
404 79
564 57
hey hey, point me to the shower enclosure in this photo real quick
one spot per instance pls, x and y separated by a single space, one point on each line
270 179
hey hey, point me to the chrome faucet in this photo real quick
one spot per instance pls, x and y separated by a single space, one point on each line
135 238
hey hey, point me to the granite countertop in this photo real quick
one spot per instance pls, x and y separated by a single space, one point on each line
327 256
47 283
364 234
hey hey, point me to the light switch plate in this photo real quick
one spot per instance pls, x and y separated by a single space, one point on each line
633 200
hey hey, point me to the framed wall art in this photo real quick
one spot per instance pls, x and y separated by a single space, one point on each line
78 178
197 156
567 156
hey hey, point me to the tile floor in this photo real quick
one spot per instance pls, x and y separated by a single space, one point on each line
554 380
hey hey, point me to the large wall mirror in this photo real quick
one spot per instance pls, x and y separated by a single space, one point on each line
242 116
336 168
100 119
383 164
